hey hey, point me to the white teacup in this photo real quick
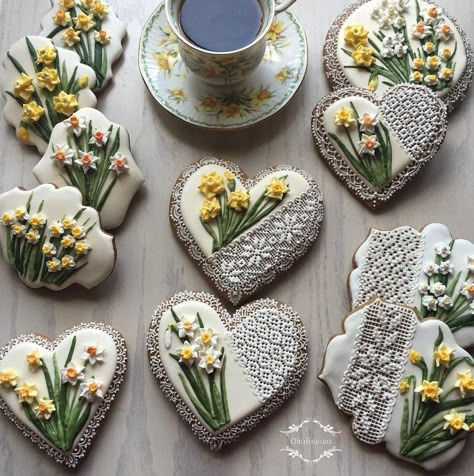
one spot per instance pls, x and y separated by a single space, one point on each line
228 67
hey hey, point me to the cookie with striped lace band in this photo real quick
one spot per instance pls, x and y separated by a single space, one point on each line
224 373
405 383
379 44
57 393
92 154
429 270
376 144
243 233
43 85
51 240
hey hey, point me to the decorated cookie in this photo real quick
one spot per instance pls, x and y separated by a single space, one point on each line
375 146
225 373
406 383
243 233
91 29
52 240
89 152
377 44
43 85
427 270
58 392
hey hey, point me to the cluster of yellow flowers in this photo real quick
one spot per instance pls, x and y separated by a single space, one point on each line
357 37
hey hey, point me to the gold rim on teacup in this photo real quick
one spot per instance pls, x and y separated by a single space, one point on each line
224 67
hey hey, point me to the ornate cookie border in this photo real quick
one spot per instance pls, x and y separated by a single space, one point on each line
230 435
72 459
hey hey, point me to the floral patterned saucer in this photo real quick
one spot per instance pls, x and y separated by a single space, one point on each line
241 105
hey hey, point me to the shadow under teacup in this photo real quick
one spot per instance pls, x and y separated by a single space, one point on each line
224 67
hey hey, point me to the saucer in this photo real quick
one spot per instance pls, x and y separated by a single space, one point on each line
241 105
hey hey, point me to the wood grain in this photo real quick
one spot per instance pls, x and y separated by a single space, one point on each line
143 435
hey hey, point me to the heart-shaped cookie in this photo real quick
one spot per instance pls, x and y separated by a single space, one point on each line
406 383
375 146
428 270
225 373
58 392
244 232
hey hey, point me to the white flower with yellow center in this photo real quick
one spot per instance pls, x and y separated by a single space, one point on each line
102 37
8 218
68 241
99 138
67 262
87 160
32 237
446 74
67 4
78 232
429 391
44 409
27 393
432 15
445 302
37 220
72 374
62 18
33 359
431 80
91 390
368 122
93 353
187 327
49 249
429 48
446 54
368 145
54 265
82 247
77 124
56 229
84 22
455 422
431 268
68 222
443 355
444 32
433 63
18 229
62 155
438 289
210 359
465 383
188 353
21 213
416 77
421 30
430 302
8 378
206 338
71 37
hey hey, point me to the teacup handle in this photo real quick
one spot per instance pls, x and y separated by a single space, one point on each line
281 7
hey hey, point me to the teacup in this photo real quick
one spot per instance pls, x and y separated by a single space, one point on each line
228 67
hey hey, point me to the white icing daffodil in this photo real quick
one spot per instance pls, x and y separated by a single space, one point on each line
446 267
62 155
431 268
368 122
91 390
468 290
443 250
77 124
68 241
206 338
37 220
446 74
368 144
99 138
103 37
431 80
400 50
78 232
188 353
68 222
44 409
421 30
33 359
210 359
56 229
49 249
82 247
429 48
8 218
399 23
168 336
445 302
430 302
27 393
21 214
438 289
424 288
93 353
433 15
68 262
18 229
187 327
32 237
433 63
87 160
72 374
54 265
444 32
118 163
455 422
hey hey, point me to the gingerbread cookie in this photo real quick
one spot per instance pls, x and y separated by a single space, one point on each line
375 146
91 29
58 392
405 383
243 232
224 373
378 44
52 240
89 152
428 270
43 85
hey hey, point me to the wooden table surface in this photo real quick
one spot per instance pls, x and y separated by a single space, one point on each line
142 434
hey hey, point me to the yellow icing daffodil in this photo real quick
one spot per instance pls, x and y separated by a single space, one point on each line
414 357
210 209
239 200
429 391
67 4
83 81
356 35
87 3
48 78
23 87
276 189
46 55
44 409
363 56
373 85
455 422
8 378
465 383
100 9
102 37
344 117
65 103
32 112
443 355
275 31
33 359
71 37
62 18
404 386
229 176
27 393
211 185
84 22
23 134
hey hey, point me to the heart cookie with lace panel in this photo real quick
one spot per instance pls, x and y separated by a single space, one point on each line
375 146
225 373
58 392
244 232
